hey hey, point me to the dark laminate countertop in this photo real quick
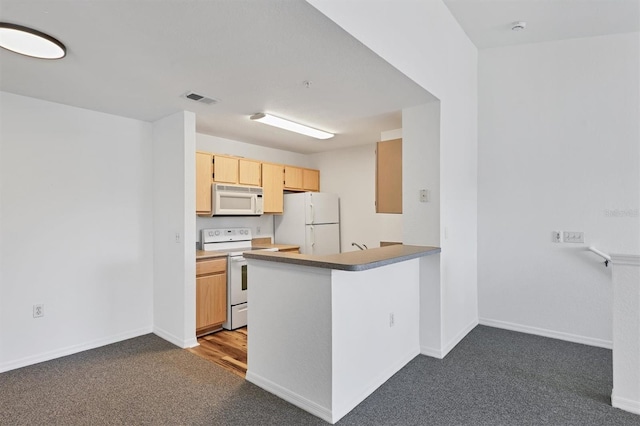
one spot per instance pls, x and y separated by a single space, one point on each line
201 254
278 246
349 261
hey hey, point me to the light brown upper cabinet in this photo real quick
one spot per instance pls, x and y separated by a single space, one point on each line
300 179
293 178
249 172
236 170
225 169
389 176
204 176
273 178
272 187
311 180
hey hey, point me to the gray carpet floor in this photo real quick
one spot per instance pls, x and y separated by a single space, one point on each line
493 377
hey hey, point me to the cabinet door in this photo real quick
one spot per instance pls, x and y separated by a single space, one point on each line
292 177
211 300
389 177
225 169
272 187
250 172
204 174
311 180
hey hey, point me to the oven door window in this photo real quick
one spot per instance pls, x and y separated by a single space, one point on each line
244 277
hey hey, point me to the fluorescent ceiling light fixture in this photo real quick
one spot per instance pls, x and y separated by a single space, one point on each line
29 42
290 125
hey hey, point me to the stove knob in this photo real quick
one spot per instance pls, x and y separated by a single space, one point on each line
217 233
210 233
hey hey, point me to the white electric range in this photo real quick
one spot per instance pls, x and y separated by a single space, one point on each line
234 241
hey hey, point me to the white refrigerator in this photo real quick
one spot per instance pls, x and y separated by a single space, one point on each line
310 220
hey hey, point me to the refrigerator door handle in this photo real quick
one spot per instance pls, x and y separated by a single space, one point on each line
313 214
313 238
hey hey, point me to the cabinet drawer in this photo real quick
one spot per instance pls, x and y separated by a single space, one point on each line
211 266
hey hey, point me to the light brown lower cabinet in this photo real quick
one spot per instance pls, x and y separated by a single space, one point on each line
211 295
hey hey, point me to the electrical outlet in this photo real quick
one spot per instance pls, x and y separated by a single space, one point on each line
424 195
178 238
38 310
392 320
556 237
572 237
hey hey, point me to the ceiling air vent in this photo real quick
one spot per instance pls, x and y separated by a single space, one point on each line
199 98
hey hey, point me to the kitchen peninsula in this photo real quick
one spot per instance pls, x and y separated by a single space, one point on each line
326 331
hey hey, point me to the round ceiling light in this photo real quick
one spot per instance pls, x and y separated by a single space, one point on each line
30 42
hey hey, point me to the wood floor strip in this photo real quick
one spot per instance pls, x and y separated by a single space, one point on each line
225 348
235 362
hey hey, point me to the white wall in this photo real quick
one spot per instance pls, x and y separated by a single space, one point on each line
626 332
351 173
421 159
261 226
342 346
174 291
219 145
367 349
279 349
424 41
76 230
559 147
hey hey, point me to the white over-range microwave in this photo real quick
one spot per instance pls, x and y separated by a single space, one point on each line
236 200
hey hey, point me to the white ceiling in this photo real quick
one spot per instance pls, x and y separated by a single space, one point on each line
488 22
135 58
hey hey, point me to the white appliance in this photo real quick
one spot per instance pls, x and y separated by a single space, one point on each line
233 241
310 220
236 200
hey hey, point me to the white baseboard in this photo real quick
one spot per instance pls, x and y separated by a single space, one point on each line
70 350
458 337
171 338
590 341
328 414
291 397
625 404
341 410
440 353
432 352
